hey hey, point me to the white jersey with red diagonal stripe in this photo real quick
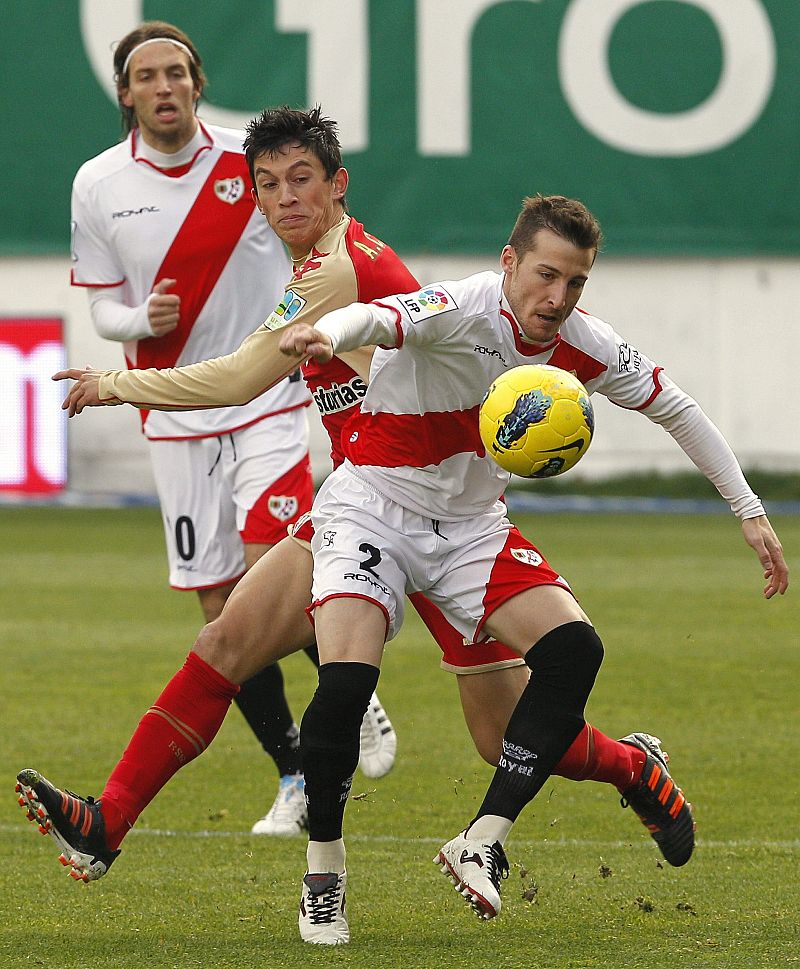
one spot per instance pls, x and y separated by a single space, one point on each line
416 437
133 224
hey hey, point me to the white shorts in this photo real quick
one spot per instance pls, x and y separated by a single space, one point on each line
459 655
368 546
218 493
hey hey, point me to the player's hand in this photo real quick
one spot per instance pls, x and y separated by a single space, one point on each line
84 392
163 308
300 339
760 536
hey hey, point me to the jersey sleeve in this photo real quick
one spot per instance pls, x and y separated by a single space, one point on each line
359 325
236 378
113 319
703 443
93 262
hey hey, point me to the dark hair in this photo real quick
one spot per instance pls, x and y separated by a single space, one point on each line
568 218
150 30
277 128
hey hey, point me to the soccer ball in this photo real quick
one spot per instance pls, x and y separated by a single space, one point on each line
536 421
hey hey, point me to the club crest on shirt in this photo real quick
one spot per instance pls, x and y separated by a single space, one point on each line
285 311
282 507
527 556
229 190
428 302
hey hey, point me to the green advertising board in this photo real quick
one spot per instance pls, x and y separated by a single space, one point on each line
676 121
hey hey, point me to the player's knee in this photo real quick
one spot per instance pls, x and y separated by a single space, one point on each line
572 652
343 694
219 649
329 732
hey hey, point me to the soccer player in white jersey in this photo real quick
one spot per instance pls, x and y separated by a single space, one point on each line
415 506
180 266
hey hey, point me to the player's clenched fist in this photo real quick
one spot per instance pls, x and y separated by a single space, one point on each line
84 392
163 308
304 340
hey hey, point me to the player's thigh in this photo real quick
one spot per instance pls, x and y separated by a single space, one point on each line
265 616
212 600
269 474
203 545
523 619
350 629
488 699
359 546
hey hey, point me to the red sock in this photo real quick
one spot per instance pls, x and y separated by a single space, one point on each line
177 728
595 757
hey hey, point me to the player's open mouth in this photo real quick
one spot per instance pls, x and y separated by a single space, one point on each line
166 111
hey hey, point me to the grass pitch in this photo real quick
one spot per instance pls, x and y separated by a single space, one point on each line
693 654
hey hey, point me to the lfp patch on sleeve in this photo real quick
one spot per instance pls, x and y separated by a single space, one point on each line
428 302
285 311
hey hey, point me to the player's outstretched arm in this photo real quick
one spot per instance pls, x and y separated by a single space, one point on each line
84 392
237 378
761 537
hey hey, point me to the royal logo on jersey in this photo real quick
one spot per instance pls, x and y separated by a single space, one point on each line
285 311
338 397
229 190
527 556
282 507
430 301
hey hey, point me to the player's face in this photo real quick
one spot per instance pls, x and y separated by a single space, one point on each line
163 94
543 285
298 199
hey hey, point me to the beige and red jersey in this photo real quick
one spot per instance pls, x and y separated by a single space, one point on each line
346 265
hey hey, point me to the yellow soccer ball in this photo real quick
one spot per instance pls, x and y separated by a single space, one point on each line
536 421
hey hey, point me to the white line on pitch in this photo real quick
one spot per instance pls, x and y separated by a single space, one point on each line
793 845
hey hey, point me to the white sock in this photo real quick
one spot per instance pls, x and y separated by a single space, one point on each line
326 856
489 828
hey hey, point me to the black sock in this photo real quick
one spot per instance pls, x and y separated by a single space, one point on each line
263 702
548 717
313 654
329 737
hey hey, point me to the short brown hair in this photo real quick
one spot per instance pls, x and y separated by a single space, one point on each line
568 218
151 30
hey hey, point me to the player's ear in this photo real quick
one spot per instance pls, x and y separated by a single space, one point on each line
508 259
340 181
254 197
